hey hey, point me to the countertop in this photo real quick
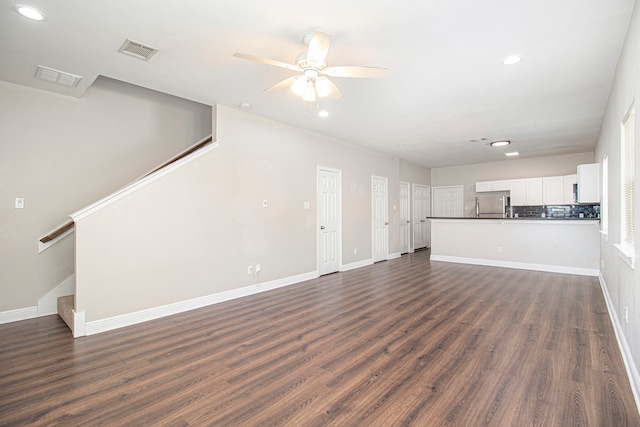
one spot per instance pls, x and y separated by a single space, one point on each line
521 218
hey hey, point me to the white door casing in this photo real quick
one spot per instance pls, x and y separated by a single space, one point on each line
421 225
405 218
380 216
448 201
329 220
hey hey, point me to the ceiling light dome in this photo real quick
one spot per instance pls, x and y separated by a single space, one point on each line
511 60
30 12
501 143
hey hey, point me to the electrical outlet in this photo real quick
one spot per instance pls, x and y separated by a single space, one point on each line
264 203
19 203
499 249
250 269
355 251
258 268
602 263
626 314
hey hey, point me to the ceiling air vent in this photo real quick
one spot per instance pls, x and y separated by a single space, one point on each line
57 76
137 50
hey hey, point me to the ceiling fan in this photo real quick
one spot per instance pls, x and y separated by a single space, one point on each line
312 83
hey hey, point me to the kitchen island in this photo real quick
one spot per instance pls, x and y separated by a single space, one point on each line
544 244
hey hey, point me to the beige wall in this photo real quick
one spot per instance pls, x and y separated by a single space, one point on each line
62 153
414 174
193 232
507 169
622 282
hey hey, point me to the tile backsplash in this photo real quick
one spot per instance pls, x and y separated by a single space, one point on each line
558 211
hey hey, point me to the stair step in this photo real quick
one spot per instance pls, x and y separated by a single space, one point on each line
65 309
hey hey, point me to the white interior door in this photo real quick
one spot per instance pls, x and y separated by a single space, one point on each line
421 229
329 221
448 201
380 214
405 218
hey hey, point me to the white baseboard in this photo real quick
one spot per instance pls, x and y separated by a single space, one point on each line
19 314
48 304
357 264
104 325
518 265
394 255
627 357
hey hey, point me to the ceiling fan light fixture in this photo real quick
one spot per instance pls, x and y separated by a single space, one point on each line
299 85
322 87
310 92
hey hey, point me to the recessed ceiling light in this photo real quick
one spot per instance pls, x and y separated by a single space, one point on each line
511 60
323 113
500 143
513 153
30 12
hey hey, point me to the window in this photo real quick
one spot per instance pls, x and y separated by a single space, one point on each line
604 204
627 175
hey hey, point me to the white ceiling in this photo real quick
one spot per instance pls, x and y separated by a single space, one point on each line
446 83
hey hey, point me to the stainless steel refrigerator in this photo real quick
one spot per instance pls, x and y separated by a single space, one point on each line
491 206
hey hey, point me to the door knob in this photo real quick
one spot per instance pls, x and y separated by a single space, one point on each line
322 227
386 223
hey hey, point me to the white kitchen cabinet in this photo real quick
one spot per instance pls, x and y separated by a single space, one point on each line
485 186
567 184
518 192
589 183
534 191
552 190
502 185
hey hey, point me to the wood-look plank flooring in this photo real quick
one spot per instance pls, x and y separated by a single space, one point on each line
403 342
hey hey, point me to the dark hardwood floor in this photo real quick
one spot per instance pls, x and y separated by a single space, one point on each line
402 342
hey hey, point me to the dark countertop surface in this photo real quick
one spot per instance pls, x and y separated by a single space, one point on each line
529 218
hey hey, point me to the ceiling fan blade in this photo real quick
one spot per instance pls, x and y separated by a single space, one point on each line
355 71
280 85
318 47
267 61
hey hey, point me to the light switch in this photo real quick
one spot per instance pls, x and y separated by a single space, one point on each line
306 205
19 202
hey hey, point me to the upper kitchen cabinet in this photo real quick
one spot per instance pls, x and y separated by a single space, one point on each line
526 192
518 192
552 190
534 191
567 182
589 183
485 186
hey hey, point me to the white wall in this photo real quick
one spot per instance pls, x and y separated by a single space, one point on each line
622 283
507 169
192 233
62 153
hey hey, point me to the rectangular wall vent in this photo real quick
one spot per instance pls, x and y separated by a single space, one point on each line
137 50
57 76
